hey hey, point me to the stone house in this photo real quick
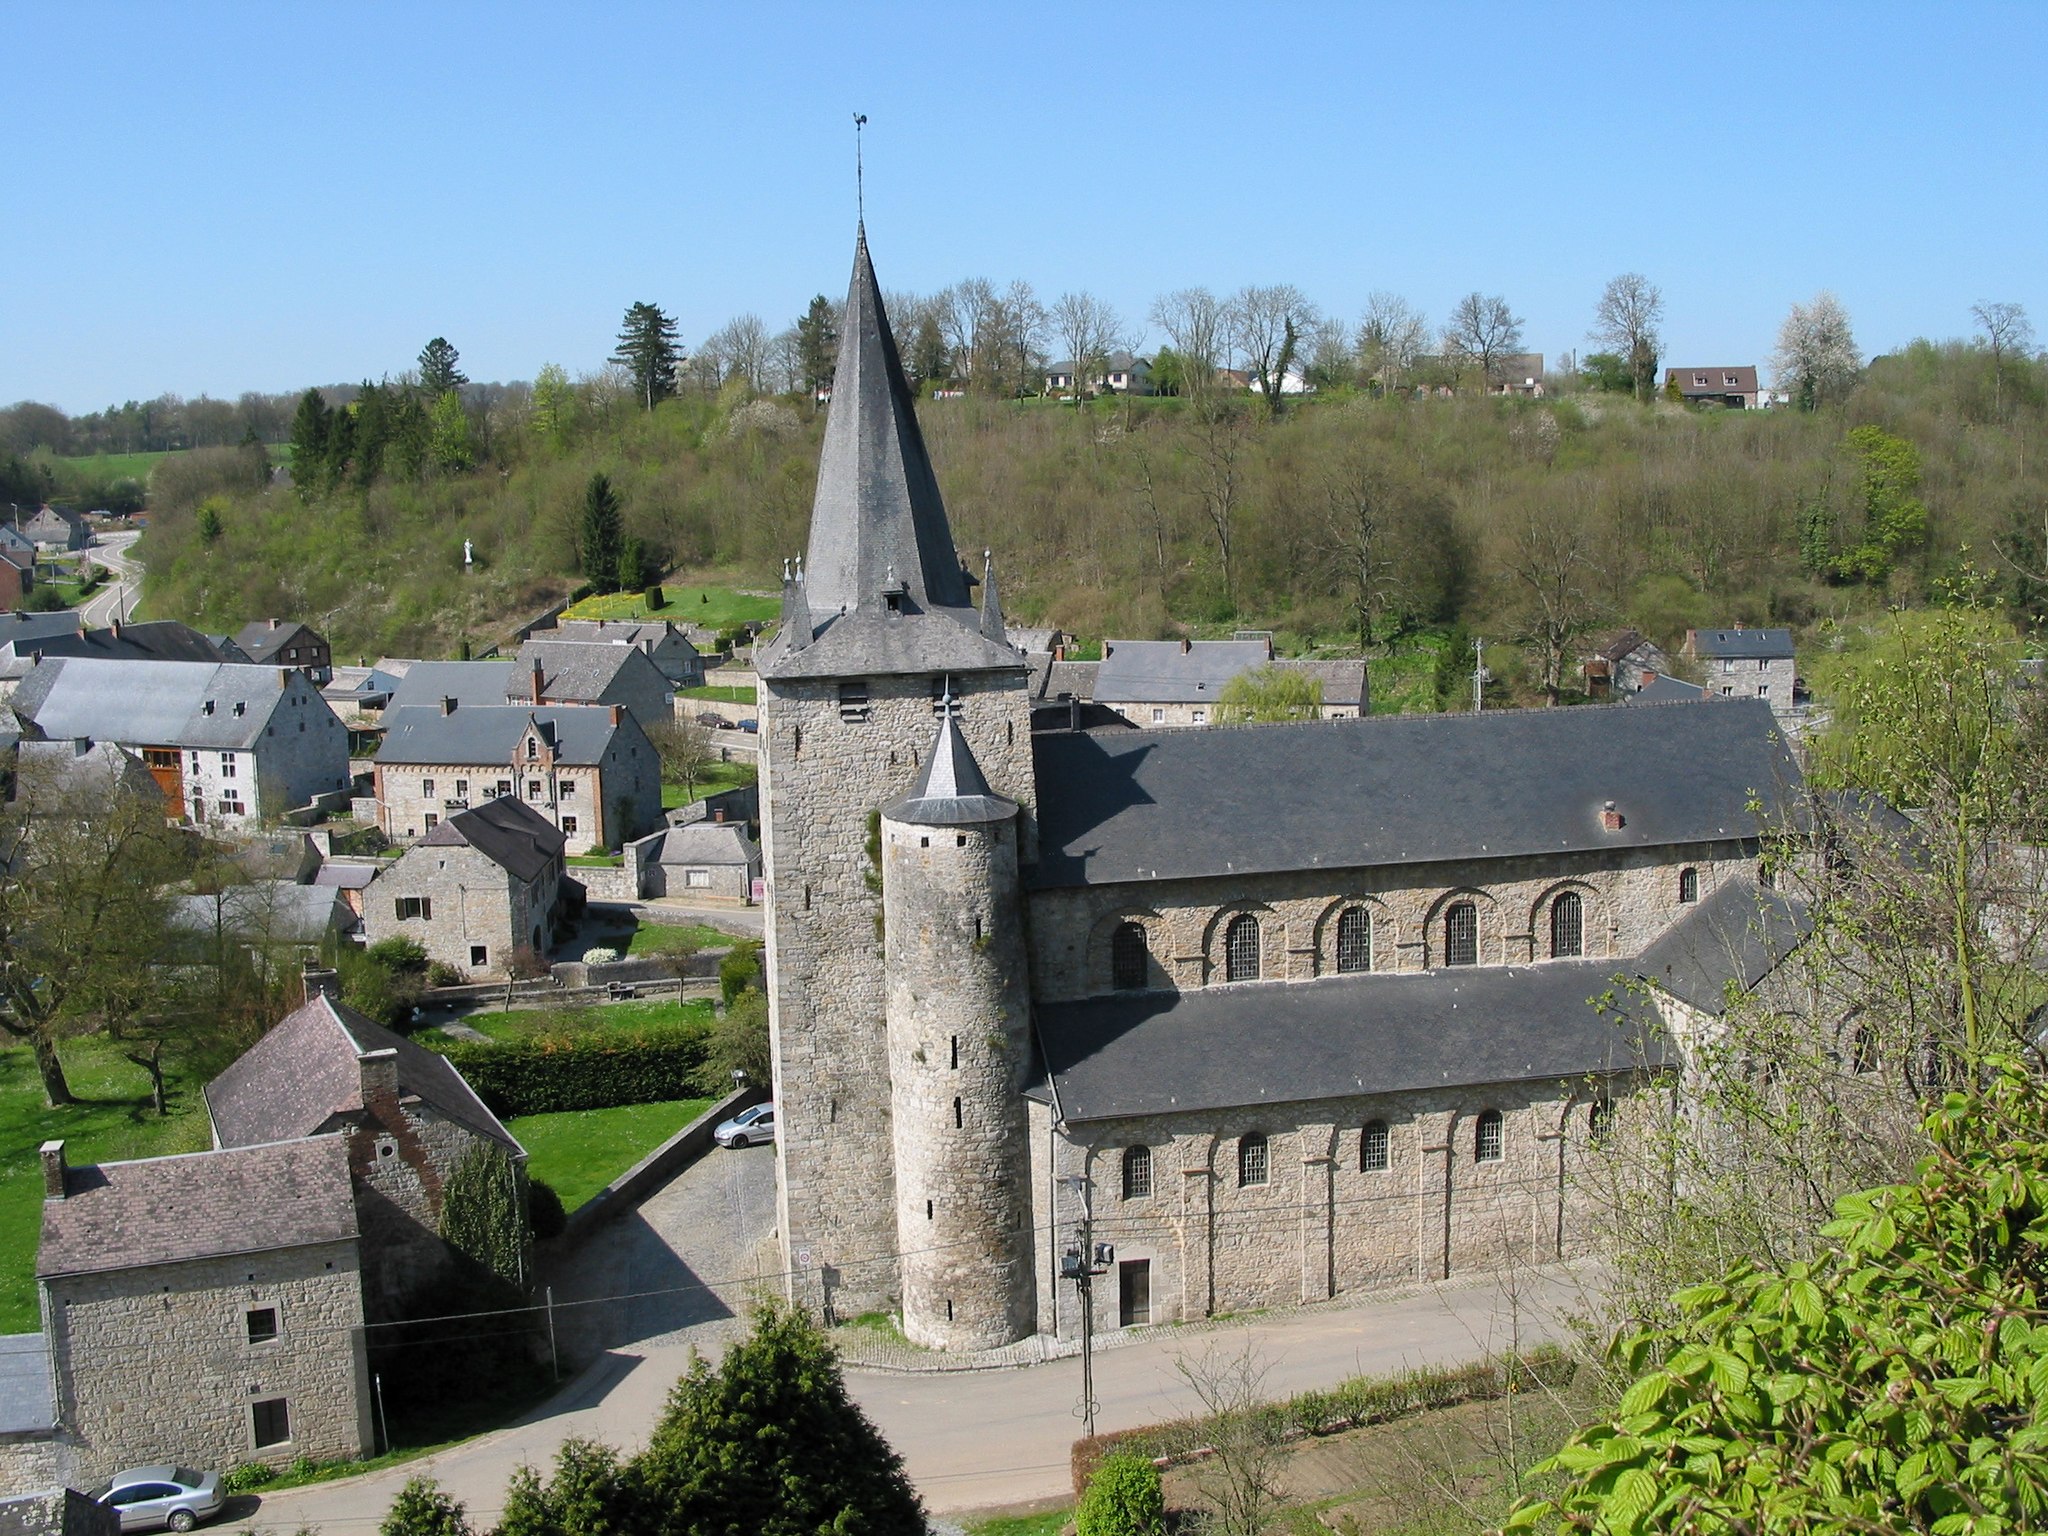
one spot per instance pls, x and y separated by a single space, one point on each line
712 861
589 770
1734 387
1305 1006
288 643
1624 664
160 640
1743 663
229 744
55 528
569 672
480 885
1178 682
671 651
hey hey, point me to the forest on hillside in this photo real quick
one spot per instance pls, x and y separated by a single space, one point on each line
1349 519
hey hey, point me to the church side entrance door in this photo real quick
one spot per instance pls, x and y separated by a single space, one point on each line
1133 1292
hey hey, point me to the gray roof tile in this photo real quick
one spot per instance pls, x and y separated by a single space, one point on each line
506 831
155 703
423 683
489 734
26 1401
1737 934
1741 644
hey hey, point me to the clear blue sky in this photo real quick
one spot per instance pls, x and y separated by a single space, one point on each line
212 197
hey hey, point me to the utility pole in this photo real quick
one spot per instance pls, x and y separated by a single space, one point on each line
1081 1263
1478 676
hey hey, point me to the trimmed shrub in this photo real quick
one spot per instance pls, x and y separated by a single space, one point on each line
441 974
739 970
552 1073
656 599
1124 1498
544 1210
600 954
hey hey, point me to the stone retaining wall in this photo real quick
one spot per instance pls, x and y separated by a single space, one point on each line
656 1168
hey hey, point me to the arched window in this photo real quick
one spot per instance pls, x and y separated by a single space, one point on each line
1137 1173
1567 926
1372 1147
1251 1160
1461 934
1486 1137
1354 939
1241 950
1688 885
1129 959
1600 1122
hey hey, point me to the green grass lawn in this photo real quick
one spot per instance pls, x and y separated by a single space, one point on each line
1046 1523
581 1150
717 777
127 466
523 1023
115 1123
718 695
658 938
706 607
594 860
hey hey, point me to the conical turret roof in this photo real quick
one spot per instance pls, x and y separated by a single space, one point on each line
951 789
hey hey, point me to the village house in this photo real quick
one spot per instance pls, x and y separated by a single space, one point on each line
1742 663
229 744
668 647
483 884
709 861
1736 387
158 640
1119 373
543 673
17 576
1178 682
1519 374
1623 664
589 770
288 643
58 529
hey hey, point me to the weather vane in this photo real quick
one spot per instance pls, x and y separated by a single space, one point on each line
860 121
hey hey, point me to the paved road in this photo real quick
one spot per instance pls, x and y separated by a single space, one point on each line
981 1438
111 550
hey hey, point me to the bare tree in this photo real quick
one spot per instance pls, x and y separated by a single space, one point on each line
684 749
741 349
1265 326
1385 539
1551 559
1241 1478
1483 331
1195 324
2008 333
1331 360
1020 340
1391 337
1625 321
968 313
1816 360
1088 329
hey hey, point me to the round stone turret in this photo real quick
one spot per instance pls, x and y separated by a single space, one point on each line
959 1048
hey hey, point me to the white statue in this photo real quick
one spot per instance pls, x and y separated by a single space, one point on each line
467 551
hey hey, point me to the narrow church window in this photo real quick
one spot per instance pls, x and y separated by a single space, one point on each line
1372 1147
977 930
1129 959
958 1122
1600 1122
1461 934
1009 733
807 898
1251 1160
1354 939
1688 885
1486 1137
1137 1173
927 1210
796 742
1567 926
1241 949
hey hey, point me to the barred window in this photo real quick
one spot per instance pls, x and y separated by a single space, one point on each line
1251 1159
1241 950
1137 1173
1372 1147
1600 1122
1688 885
1461 934
1567 926
1486 1137
1129 960
1354 939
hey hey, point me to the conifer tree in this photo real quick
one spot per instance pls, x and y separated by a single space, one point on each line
648 350
439 372
603 536
312 426
817 345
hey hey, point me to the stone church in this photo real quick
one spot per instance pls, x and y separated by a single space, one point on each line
1293 1010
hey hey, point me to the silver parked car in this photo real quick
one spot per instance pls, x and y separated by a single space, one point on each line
161 1498
747 1127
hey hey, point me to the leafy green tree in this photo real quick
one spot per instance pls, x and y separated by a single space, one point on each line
422 1509
648 350
209 524
1607 373
1894 517
739 1041
1269 693
1898 1382
590 1494
554 405
603 534
448 437
817 345
439 372
636 571
769 1442
1123 1498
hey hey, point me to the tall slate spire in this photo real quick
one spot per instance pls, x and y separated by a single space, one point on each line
877 521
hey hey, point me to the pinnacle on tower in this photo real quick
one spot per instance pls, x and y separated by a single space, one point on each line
951 789
991 605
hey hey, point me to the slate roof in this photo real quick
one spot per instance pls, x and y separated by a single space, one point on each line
307 1069
1352 794
950 789
264 639
708 842
151 703
345 877
1623 645
490 733
1161 672
636 632
282 911
466 682
504 830
26 1401
202 1205
160 640
574 669
1282 1042
29 626
1741 644
1717 380
1738 932
1666 689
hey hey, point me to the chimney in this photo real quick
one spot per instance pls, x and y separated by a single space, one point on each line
536 682
114 624
273 623
284 677
718 814
1059 653
1269 647
1186 645
318 981
447 704
1649 677
53 1170
380 1084
1611 820
617 711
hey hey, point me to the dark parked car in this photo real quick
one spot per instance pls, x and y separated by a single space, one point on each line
161 1498
750 725
716 721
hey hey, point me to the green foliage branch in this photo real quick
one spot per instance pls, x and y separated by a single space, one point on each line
483 1213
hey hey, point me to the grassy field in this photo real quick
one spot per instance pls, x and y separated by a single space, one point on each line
659 938
719 695
126 466
524 1023
1048 1522
706 607
719 776
1405 683
113 1124
580 1151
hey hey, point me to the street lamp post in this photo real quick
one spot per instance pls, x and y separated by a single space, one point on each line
1081 1263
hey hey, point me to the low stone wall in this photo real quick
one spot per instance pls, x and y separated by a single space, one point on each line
638 971
608 882
29 1462
656 1168
59 1511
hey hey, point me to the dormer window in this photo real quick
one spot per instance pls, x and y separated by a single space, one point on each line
241 707
532 748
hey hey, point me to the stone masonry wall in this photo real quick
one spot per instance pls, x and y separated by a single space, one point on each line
156 1365
959 1050
822 774
400 1160
1322 1225
474 901
1628 897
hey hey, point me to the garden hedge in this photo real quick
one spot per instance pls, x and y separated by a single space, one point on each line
592 1071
